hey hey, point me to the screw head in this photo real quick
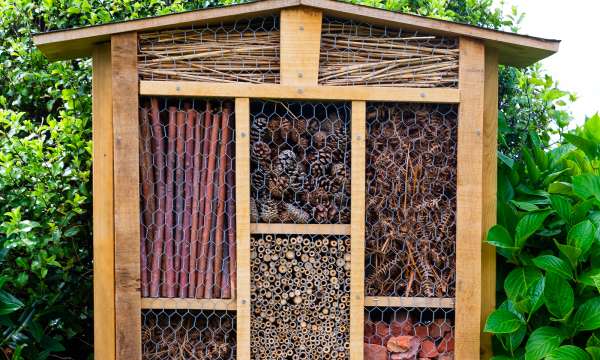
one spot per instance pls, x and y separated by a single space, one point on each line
243 134
177 88
301 28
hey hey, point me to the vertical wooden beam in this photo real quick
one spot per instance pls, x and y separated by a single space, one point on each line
300 46
490 176
357 230
242 217
127 195
102 183
469 222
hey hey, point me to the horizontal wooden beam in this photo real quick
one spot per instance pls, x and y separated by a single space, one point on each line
275 91
409 302
191 304
308 229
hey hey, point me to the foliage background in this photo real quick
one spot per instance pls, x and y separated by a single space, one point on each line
45 167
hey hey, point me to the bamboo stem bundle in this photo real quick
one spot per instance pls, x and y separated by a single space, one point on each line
168 288
231 229
147 177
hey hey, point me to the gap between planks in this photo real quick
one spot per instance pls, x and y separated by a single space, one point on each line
409 302
308 229
189 304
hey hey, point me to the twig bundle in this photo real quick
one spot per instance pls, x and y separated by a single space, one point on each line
411 200
188 244
357 54
240 52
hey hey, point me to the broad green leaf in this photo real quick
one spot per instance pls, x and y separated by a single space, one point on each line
581 236
535 295
528 225
586 186
560 187
571 253
542 341
587 146
499 237
524 205
562 206
506 160
592 128
594 352
581 210
552 264
502 322
558 296
9 303
587 316
519 280
513 340
532 169
568 352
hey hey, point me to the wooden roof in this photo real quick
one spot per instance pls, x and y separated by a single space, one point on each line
513 49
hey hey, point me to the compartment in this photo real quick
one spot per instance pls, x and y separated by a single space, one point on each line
300 297
243 51
354 53
188 245
188 334
411 200
409 333
300 162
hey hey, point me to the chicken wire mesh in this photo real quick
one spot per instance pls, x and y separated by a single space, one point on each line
354 53
187 164
243 51
411 200
408 333
300 162
300 297
188 334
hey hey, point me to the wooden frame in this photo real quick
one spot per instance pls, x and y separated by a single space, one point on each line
116 87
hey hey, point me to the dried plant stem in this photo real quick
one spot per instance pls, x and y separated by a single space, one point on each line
147 176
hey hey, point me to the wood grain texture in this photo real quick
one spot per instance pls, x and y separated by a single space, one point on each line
469 230
275 91
308 229
409 302
300 46
188 304
490 177
242 208
357 232
127 196
103 222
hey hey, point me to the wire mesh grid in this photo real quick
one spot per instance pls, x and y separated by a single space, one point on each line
354 53
411 200
300 297
243 51
188 334
409 333
188 198
300 162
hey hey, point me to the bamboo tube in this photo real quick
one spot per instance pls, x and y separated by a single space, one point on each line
168 288
230 207
159 216
218 260
192 174
209 190
179 193
194 251
225 281
148 197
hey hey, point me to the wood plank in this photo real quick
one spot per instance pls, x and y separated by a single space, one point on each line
469 231
490 176
409 302
242 217
188 304
127 196
103 221
274 91
300 46
514 49
308 229
357 234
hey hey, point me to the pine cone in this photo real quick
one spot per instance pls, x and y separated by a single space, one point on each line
297 215
258 130
287 163
317 197
261 153
319 139
320 213
259 178
278 185
268 210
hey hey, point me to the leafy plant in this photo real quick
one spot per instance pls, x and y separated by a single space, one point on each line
549 236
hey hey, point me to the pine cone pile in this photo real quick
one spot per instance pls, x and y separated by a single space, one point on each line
300 162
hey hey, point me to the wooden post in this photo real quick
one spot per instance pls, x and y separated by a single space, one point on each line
103 243
490 176
357 230
242 217
469 222
300 46
127 196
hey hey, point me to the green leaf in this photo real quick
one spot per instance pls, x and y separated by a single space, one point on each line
519 280
499 237
571 253
542 341
587 316
9 303
502 322
535 295
552 264
558 296
586 186
585 145
568 352
524 205
562 206
560 187
528 225
594 351
592 128
581 236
